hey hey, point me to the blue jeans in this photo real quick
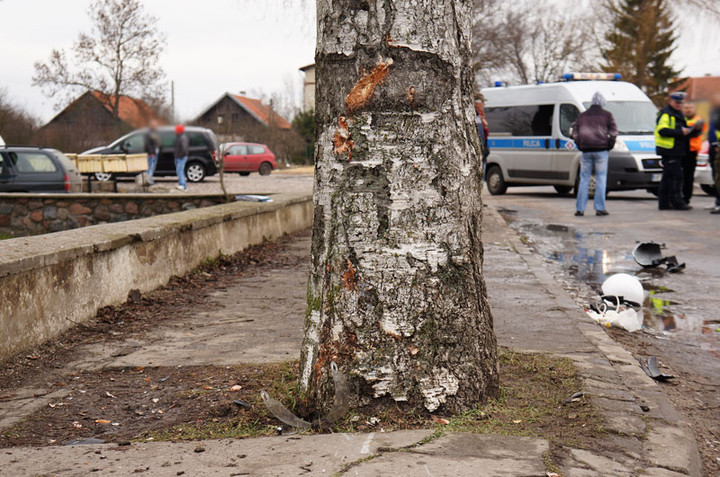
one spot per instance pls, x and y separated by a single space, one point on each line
180 171
598 161
152 165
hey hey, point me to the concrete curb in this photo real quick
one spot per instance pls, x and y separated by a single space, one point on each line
630 401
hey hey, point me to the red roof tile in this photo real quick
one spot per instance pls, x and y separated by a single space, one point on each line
700 88
262 112
134 112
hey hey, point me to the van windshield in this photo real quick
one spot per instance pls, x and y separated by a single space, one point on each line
632 117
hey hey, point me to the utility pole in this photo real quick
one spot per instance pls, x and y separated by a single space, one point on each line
172 100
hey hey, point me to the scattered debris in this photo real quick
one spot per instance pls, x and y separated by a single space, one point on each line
649 255
626 287
236 388
241 403
108 394
340 406
575 397
199 449
103 421
652 370
439 420
253 198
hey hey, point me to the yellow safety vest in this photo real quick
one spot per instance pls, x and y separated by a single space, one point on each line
665 121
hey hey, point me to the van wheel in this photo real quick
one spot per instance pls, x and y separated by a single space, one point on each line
591 186
563 190
709 189
195 172
495 181
265 169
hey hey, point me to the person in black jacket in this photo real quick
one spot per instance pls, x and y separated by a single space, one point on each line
152 148
182 149
672 145
594 133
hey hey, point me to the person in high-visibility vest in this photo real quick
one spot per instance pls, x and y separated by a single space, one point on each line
695 140
714 152
671 144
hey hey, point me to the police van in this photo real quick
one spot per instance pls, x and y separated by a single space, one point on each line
530 134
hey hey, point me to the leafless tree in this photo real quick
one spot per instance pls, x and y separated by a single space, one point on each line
524 43
17 126
708 6
120 56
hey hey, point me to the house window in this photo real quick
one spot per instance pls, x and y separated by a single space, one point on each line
235 117
221 119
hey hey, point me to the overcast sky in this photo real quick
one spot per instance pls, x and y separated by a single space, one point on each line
216 46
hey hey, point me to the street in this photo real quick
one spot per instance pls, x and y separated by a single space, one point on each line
680 310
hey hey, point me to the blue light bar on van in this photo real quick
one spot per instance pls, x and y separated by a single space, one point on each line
499 84
592 77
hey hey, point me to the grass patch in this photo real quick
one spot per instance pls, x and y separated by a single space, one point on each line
5 236
196 402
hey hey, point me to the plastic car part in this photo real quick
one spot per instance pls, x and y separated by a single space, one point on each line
649 255
341 404
652 370
625 286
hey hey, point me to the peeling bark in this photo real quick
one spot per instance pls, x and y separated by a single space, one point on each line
396 296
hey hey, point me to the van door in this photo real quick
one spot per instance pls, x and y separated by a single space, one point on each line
567 157
523 135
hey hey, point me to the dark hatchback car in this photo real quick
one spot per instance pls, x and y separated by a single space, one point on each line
200 163
35 169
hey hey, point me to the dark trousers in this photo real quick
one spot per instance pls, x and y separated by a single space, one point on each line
688 168
670 194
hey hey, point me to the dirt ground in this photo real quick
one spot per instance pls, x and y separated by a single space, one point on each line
143 394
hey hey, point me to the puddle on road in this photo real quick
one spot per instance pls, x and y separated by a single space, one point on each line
592 266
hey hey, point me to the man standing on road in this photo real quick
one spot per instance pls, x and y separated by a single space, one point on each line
594 133
483 130
152 147
695 145
671 144
714 152
182 149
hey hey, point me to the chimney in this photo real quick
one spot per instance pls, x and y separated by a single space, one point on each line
243 93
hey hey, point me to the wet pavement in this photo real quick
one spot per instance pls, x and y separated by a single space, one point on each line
681 310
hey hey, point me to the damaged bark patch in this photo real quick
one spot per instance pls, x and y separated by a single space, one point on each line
342 142
411 96
349 279
364 89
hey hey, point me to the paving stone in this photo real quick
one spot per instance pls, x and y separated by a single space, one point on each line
666 447
599 463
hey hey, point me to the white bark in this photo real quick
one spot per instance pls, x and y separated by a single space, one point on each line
396 295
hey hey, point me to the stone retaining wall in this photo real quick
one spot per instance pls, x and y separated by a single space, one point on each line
51 282
32 214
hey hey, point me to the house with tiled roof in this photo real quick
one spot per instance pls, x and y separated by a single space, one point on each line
237 117
88 121
699 92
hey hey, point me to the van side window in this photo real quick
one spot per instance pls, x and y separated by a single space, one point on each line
520 120
568 115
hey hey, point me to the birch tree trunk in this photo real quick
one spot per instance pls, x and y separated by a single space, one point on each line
396 295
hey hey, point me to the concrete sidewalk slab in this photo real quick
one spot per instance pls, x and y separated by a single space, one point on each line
463 455
266 456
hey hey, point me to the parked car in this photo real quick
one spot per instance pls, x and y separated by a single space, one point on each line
36 169
703 171
245 157
200 164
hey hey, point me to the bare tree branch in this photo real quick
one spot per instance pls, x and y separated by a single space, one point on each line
120 56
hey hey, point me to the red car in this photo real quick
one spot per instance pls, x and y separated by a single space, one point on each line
245 157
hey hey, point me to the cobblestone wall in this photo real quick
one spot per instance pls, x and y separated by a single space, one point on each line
26 214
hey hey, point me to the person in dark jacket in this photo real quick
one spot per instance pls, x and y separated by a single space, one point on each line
714 151
152 148
182 149
594 133
672 145
483 130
